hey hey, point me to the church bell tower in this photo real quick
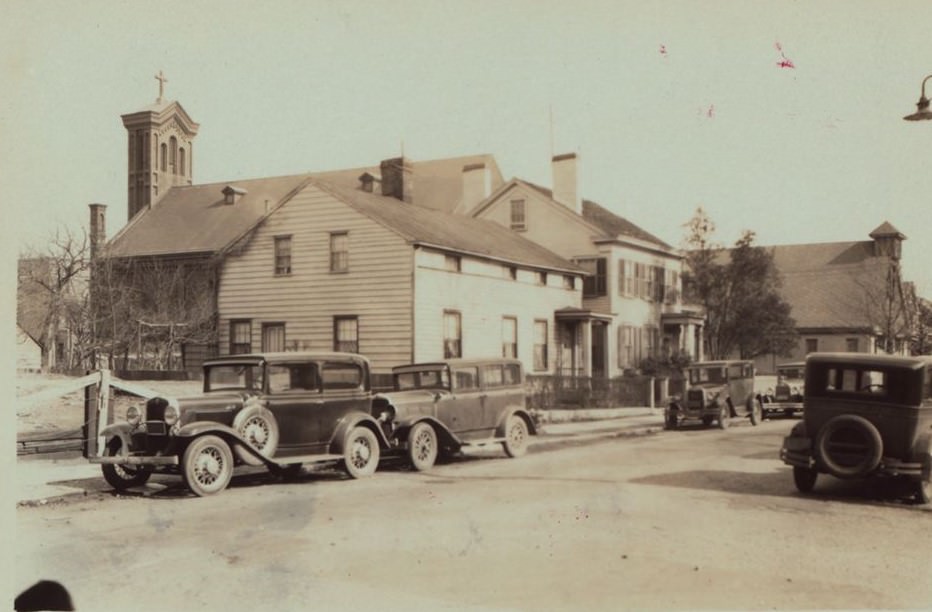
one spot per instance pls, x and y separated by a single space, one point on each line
160 150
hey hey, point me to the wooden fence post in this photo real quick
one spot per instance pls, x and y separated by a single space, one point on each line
89 429
103 408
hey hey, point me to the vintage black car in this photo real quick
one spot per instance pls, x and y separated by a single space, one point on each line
865 415
443 406
787 395
717 391
280 410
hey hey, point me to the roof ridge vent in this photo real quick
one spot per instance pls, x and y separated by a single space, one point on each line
231 194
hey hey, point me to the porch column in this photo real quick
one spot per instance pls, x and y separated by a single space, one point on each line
700 343
586 351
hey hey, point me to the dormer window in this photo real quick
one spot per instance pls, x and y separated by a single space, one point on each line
231 194
367 182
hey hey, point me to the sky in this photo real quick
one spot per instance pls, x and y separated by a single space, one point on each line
780 117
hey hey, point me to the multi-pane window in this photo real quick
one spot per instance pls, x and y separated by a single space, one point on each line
240 336
346 334
518 215
339 252
510 272
851 345
452 334
540 345
542 278
273 337
812 345
282 255
453 263
569 282
629 346
594 284
509 337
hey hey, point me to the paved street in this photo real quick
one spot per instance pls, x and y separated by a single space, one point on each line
686 519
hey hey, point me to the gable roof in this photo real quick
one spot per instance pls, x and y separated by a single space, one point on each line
829 285
426 226
610 225
438 183
194 219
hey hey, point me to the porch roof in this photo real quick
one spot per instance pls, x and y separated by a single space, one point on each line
580 314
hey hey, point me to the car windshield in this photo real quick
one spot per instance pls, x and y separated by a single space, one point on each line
790 373
707 375
432 378
233 376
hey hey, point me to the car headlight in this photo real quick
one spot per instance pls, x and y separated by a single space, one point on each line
133 415
769 390
795 390
171 412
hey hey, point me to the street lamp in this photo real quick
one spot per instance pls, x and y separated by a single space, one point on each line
922 107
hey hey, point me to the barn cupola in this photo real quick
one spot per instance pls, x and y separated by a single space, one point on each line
888 241
160 152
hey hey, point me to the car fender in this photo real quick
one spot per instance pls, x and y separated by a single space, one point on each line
122 430
521 412
445 437
347 423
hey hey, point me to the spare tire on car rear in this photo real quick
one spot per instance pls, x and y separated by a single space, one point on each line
849 446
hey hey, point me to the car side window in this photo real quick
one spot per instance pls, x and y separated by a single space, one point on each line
735 371
492 376
466 379
298 377
341 376
512 374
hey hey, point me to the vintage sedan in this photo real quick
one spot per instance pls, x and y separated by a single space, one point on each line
444 406
865 415
280 410
717 392
787 396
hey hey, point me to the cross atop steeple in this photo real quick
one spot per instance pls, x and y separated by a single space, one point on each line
161 78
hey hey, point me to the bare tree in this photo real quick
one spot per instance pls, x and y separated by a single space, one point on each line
149 308
884 302
51 295
739 290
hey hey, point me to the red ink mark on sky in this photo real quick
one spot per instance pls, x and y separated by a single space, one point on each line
784 62
711 112
663 50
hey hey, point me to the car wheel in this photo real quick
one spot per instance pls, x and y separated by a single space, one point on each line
724 415
707 421
259 428
361 453
924 490
804 478
207 465
120 476
515 443
788 412
422 446
849 446
756 412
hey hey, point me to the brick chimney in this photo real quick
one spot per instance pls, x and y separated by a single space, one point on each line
564 181
397 179
477 184
97 228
